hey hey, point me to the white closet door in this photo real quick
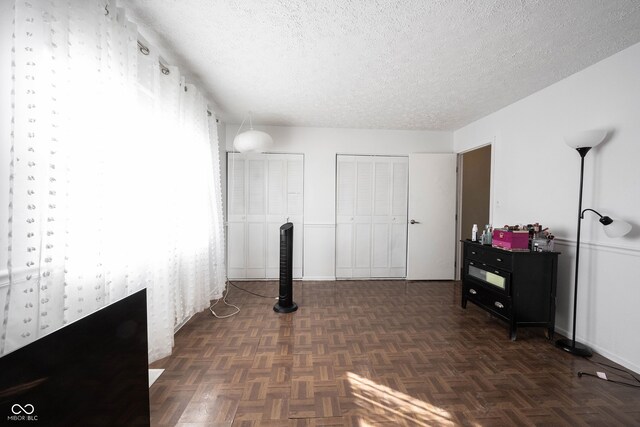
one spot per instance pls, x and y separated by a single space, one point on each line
256 218
265 190
236 217
276 212
398 223
381 218
294 200
284 203
371 212
345 211
362 217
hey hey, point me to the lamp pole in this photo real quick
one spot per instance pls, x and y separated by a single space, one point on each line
570 345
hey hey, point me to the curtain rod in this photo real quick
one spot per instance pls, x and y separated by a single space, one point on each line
165 70
145 51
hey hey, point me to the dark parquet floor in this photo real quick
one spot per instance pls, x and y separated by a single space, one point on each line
376 353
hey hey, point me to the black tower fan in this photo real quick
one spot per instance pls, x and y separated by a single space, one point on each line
285 303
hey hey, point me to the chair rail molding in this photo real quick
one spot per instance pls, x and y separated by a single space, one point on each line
619 249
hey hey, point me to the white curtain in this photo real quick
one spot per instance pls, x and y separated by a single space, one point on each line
112 178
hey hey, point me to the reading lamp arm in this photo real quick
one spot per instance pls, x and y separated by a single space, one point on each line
605 220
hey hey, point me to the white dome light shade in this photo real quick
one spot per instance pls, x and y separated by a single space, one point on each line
617 228
586 138
252 141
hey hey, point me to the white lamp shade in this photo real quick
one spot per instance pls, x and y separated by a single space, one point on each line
617 228
586 138
252 141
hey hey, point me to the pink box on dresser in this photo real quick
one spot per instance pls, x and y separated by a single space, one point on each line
511 240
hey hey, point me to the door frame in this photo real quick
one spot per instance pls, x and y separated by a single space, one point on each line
459 175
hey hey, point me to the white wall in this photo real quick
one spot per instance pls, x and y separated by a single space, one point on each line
536 178
320 146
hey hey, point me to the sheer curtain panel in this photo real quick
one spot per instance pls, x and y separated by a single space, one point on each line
112 180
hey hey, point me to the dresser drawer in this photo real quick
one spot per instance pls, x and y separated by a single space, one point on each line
498 304
489 276
501 259
493 257
476 253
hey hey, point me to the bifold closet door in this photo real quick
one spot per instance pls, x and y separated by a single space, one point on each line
246 227
236 217
264 192
284 204
389 218
371 216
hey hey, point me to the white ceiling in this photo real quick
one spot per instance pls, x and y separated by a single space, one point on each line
406 64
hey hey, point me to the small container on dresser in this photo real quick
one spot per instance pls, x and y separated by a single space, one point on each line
511 240
518 287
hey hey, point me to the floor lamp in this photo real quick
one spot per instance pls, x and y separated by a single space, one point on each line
583 142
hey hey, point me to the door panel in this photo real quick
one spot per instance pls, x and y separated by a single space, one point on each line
294 187
362 239
400 188
256 210
298 241
398 246
236 242
346 187
273 249
264 191
382 192
432 202
344 249
380 250
345 215
236 192
256 202
364 188
369 213
276 188
256 246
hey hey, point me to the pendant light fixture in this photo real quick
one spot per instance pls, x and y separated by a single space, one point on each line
251 141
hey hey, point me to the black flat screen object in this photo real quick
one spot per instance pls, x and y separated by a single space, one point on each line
92 372
285 302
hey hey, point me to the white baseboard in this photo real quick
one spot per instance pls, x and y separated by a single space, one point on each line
319 278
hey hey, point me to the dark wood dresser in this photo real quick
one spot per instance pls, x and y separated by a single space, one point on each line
518 287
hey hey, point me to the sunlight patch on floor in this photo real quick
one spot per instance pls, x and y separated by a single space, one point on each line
380 402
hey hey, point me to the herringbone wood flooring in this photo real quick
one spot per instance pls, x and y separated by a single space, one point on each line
375 353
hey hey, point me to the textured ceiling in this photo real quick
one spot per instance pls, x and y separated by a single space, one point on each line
412 64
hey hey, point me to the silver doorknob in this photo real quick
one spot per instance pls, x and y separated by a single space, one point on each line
413 221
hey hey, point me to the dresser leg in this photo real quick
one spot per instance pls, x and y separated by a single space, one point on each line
512 332
550 332
464 302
